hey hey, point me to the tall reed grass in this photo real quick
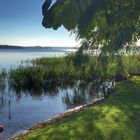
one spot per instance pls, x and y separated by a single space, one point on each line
43 72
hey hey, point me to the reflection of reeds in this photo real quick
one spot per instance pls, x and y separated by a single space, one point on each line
2 78
2 86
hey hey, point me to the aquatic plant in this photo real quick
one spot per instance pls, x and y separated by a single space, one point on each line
2 78
46 72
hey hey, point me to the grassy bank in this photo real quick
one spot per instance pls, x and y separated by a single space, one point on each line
55 71
116 118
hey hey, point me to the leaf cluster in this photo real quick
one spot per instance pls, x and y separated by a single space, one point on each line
110 23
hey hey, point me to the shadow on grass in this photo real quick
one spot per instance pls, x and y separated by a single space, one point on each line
116 118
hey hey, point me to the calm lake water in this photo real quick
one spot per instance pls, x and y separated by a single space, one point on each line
21 110
13 57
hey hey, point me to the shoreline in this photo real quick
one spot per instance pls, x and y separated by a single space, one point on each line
55 119
59 117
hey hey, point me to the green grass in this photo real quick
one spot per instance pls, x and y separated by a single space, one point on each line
117 118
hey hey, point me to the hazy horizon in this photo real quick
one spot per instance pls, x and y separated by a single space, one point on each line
37 46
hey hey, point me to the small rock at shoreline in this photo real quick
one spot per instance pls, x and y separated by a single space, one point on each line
1 128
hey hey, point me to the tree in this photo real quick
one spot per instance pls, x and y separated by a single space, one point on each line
111 23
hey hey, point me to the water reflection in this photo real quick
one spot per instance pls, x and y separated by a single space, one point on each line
20 108
2 88
76 93
5 100
83 93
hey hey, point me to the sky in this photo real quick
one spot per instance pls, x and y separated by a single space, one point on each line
20 24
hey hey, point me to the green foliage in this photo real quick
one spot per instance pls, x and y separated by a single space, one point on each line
2 78
48 71
116 118
110 23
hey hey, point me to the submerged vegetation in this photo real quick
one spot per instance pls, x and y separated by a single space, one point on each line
116 118
2 77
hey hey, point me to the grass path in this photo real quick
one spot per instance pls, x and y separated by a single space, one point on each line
117 118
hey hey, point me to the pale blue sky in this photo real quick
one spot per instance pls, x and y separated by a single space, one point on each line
20 24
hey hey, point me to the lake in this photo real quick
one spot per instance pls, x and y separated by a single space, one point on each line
13 57
21 110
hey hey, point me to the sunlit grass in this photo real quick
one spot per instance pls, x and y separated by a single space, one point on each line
117 118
